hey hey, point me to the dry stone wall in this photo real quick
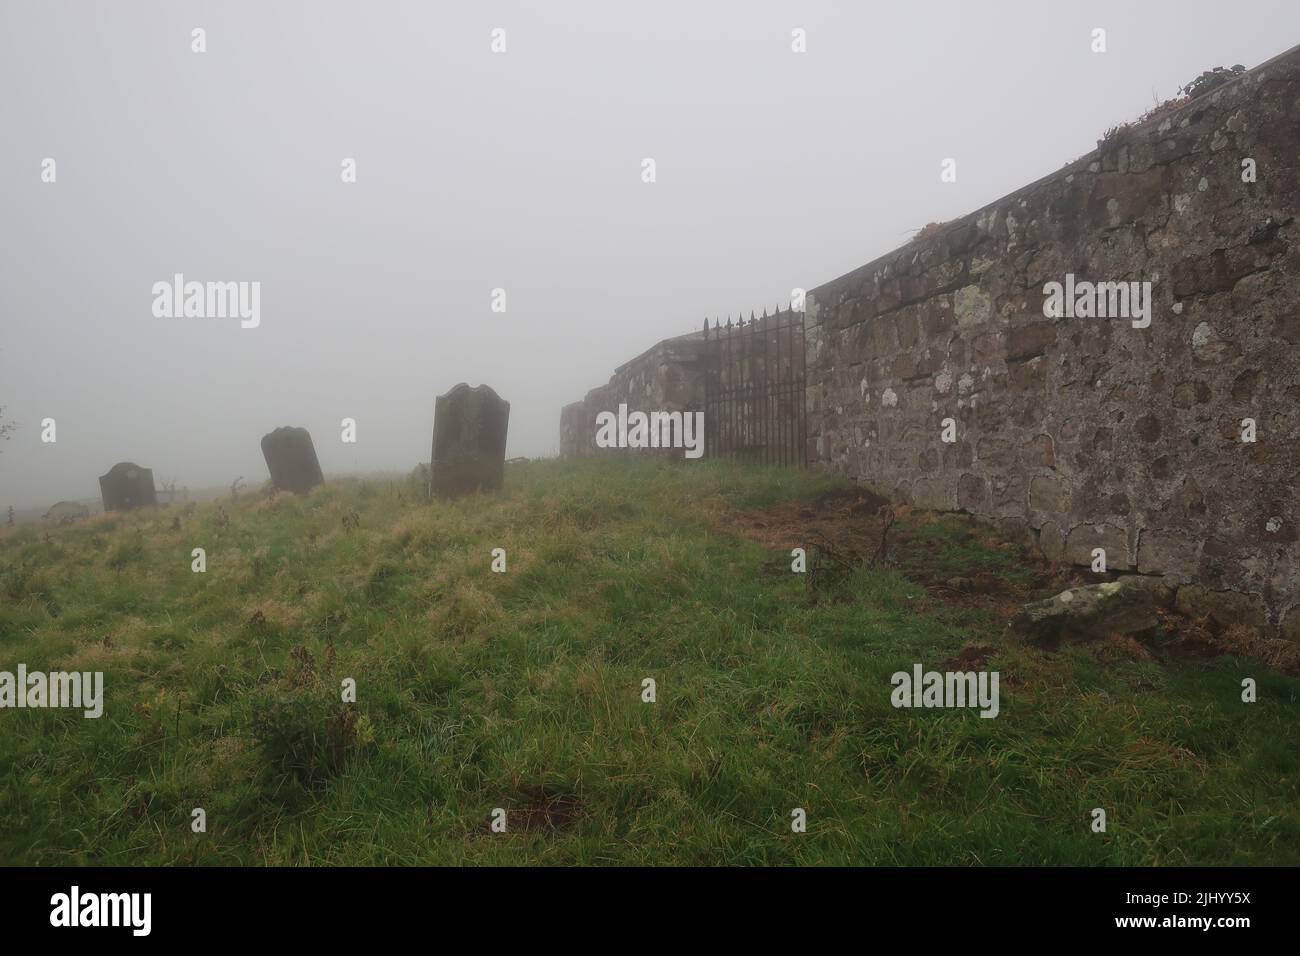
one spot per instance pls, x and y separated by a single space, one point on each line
1085 432
668 377
1125 434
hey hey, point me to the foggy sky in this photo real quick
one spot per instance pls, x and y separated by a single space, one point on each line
477 170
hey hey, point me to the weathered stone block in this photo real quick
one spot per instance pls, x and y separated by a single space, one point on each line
1224 608
1120 198
938 316
995 453
1009 491
1216 272
291 459
972 494
1015 528
909 328
1030 340
1166 552
469 441
1051 541
884 334
1126 606
932 493
1148 428
972 306
1039 451
1049 493
905 366
1081 542
1030 376
989 348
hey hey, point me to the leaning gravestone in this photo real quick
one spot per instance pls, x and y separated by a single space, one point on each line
291 459
127 486
469 441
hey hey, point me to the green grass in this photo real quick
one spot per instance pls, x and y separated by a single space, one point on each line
522 690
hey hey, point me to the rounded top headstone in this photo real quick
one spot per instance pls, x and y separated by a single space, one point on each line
469 440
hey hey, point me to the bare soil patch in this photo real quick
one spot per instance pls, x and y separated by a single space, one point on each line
850 518
970 564
971 657
542 808
857 525
1203 639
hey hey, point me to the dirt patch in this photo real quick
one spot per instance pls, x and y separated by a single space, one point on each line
979 591
841 531
541 808
966 563
1203 639
857 500
1185 640
971 657
850 519
1123 647
970 564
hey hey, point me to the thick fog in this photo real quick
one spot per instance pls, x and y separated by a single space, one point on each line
477 170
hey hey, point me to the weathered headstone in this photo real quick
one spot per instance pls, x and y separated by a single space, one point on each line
127 486
65 511
469 441
291 459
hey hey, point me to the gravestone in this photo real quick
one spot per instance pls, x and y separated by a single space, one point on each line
291 459
127 486
65 511
469 441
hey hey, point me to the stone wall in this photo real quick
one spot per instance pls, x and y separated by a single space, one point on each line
668 377
1086 433
1081 433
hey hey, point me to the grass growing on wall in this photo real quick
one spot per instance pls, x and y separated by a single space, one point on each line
522 690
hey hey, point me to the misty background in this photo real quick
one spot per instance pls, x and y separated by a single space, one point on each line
477 170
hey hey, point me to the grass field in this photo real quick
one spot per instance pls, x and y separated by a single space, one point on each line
523 690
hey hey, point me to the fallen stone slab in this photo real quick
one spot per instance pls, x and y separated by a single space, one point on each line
1126 606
